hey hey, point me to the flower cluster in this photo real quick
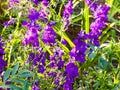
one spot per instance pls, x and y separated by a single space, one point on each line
100 15
37 60
2 62
56 59
31 36
78 52
71 73
44 11
101 18
36 2
48 36
67 13
33 15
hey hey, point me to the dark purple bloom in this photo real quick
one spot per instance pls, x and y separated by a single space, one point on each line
33 14
56 59
31 36
68 10
31 56
67 86
24 23
48 36
60 64
57 81
41 69
45 2
64 41
67 14
52 74
36 2
2 62
78 52
72 70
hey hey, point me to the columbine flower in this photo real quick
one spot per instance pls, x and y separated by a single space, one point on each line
67 14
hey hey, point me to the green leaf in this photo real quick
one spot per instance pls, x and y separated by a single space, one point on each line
16 80
26 75
102 63
6 75
64 35
13 87
24 71
15 68
92 55
25 86
76 18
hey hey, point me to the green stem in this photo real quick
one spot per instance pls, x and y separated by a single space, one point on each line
86 18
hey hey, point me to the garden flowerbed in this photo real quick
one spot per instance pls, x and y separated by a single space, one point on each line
59 45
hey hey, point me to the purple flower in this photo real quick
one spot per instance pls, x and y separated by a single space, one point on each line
48 36
64 41
8 23
60 64
67 14
33 14
45 2
36 2
67 86
78 52
100 15
31 36
52 74
72 70
37 60
44 11
68 10
93 5
56 59
2 62
41 69
35 87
